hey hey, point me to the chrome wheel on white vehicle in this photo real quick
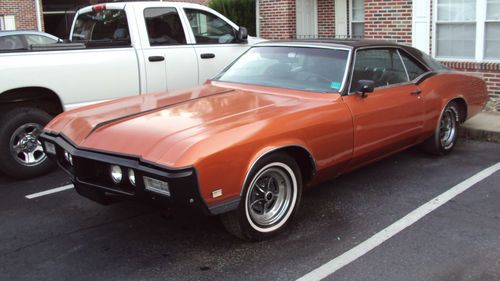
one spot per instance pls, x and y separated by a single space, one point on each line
21 153
25 147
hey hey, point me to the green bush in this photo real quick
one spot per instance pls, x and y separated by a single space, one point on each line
241 12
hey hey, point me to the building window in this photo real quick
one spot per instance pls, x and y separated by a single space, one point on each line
2 23
492 32
468 29
358 18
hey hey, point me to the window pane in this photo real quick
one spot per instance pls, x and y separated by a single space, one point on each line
456 10
11 43
309 69
38 39
492 45
358 10
382 66
104 26
2 27
493 10
414 68
210 29
358 29
456 40
164 27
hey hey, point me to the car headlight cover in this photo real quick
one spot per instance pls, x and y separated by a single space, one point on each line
116 173
131 177
68 157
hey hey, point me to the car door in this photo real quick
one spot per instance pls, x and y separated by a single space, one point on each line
216 42
391 117
171 62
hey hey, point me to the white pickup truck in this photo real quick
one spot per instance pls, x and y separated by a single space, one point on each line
116 50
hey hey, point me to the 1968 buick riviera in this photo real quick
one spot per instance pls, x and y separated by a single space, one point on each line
281 118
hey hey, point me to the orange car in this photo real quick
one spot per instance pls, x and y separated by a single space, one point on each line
282 117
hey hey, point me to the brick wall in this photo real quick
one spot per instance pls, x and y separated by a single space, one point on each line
277 19
23 10
326 18
388 20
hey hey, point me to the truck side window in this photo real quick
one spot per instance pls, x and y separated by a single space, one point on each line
102 27
164 27
210 29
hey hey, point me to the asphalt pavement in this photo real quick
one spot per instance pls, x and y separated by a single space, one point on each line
63 236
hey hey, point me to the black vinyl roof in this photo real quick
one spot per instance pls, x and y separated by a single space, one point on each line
351 43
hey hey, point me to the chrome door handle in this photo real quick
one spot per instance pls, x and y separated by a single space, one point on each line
416 92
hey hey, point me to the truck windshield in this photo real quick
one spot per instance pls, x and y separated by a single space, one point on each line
298 68
103 27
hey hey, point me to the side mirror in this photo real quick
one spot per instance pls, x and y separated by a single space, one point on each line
365 86
242 34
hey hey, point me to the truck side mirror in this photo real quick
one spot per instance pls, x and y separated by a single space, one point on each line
242 34
365 86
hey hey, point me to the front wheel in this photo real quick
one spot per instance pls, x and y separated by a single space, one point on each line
446 133
21 153
270 198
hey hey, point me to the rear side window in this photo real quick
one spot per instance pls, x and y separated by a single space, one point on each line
39 39
13 42
164 26
210 29
414 68
382 66
103 27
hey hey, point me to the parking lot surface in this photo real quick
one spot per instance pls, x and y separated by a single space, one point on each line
63 236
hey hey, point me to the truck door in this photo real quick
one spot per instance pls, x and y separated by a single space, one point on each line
215 42
170 63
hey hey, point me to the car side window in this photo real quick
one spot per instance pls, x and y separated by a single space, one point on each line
414 68
382 66
12 42
38 39
210 29
164 27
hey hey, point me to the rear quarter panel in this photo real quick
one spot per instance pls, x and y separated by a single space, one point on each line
441 88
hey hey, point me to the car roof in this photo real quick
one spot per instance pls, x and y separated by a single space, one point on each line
19 32
345 43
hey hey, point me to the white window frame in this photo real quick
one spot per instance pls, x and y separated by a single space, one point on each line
2 23
481 6
351 21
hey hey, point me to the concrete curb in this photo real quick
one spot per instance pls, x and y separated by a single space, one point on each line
480 135
484 127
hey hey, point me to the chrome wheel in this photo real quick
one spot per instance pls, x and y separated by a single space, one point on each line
448 128
271 197
25 147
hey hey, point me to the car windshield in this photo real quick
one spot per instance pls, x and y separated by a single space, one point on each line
298 68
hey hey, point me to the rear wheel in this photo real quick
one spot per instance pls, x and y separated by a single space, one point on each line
21 153
446 134
270 198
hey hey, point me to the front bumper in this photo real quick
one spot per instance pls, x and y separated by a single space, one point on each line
90 173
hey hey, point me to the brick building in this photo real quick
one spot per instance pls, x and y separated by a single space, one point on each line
20 14
462 34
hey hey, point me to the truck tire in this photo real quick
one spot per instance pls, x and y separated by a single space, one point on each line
21 153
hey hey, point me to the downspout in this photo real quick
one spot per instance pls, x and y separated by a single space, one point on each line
38 15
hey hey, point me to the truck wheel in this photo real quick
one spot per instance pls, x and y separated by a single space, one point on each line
270 198
21 153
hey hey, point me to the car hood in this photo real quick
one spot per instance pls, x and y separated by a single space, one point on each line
146 126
